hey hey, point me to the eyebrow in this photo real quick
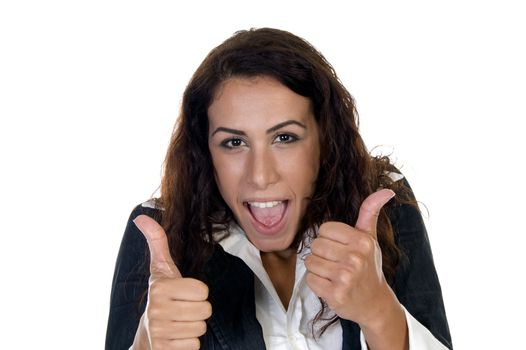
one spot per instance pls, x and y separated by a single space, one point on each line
270 130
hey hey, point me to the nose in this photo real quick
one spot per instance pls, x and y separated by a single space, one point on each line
262 168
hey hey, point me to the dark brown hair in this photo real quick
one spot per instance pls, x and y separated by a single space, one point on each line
193 208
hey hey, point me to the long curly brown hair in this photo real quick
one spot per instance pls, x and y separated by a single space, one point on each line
193 208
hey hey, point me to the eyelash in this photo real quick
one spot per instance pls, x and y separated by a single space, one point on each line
228 142
291 138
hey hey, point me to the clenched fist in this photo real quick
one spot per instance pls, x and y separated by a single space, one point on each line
177 307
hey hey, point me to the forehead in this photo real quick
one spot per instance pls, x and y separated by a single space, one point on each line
243 101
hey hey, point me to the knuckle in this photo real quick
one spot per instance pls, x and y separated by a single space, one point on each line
360 264
152 313
345 277
357 262
155 331
153 325
370 207
157 288
308 261
153 290
367 243
315 245
349 259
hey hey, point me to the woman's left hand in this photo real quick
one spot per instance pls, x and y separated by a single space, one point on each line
345 266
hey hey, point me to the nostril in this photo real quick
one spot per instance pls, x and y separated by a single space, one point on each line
261 171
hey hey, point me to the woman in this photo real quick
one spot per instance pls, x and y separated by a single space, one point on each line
284 226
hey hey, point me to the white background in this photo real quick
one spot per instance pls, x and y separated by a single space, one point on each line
89 93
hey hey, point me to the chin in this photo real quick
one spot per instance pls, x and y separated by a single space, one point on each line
270 244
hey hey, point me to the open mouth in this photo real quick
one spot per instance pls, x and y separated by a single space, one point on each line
267 216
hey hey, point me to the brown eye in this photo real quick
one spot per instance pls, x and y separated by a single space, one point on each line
232 143
236 142
285 138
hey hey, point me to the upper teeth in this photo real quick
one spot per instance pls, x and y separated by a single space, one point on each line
265 204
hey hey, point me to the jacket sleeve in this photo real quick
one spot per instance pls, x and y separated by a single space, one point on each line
416 282
130 285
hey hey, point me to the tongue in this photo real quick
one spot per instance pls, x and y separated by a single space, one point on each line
268 216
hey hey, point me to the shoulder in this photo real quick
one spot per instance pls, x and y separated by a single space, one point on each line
151 207
404 213
132 252
408 225
152 203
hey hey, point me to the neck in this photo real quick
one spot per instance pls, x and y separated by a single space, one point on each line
281 268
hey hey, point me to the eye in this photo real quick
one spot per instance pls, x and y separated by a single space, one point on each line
232 143
285 138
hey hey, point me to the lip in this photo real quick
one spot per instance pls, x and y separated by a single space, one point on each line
267 230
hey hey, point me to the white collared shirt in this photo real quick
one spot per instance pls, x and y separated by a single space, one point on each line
291 329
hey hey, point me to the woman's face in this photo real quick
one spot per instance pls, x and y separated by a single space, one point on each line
264 143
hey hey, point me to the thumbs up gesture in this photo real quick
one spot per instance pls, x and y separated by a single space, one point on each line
345 265
177 307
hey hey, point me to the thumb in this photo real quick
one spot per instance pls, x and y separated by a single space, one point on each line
370 209
161 262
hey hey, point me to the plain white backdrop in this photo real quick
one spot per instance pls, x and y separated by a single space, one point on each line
90 91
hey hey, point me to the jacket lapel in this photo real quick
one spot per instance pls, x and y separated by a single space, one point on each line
233 322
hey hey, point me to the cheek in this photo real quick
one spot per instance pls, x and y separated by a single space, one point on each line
315 156
302 172
311 167
219 175
218 171
226 178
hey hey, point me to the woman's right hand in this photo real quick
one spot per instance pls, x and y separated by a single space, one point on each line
177 307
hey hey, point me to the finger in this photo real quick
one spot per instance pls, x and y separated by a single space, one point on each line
189 329
335 272
177 344
177 310
329 249
336 231
161 263
176 330
322 287
185 289
337 252
370 209
321 267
